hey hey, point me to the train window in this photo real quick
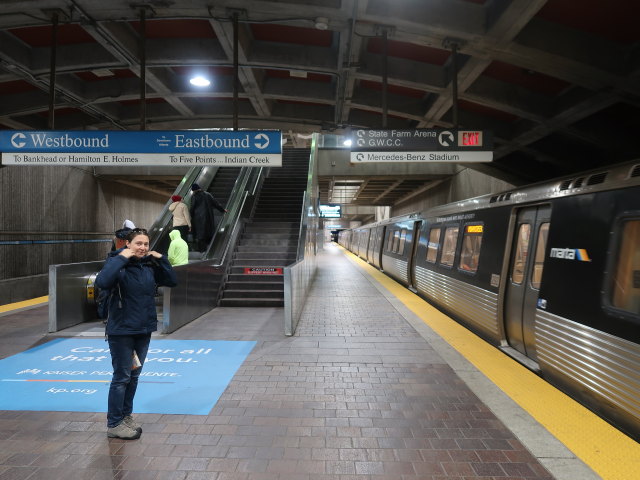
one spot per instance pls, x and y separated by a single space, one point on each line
390 242
626 279
433 245
470 253
403 238
522 251
538 261
396 241
449 246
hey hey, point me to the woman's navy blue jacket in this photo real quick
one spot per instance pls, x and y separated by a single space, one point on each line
132 306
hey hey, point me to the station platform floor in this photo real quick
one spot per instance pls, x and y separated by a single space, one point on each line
374 385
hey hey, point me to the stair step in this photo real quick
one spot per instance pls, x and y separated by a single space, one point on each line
252 302
272 286
244 277
275 224
250 293
267 229
276 215
256 243
269 236
249 248
262 262
274 255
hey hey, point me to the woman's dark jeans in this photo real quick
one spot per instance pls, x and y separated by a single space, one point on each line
124 381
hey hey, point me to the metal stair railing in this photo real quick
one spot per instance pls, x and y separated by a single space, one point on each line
299 276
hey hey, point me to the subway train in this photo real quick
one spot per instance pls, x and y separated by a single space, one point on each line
548 273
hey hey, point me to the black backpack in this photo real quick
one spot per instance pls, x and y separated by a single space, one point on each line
103 300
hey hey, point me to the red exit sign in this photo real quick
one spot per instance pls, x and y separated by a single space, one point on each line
468 138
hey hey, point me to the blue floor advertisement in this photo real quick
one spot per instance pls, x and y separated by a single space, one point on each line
73 374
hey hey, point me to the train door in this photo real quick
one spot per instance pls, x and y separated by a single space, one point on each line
367 245
373 252
525 273
415 237
377 259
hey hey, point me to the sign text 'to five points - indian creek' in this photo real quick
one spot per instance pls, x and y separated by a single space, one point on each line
249 148
421 145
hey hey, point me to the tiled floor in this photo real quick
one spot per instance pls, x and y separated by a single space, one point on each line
355 394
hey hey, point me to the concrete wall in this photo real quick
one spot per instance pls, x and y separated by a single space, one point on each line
53 204
465 184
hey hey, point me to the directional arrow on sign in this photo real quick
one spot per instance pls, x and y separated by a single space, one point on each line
265 141
18 140
446 138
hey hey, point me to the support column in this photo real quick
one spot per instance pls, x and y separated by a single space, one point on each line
52 71
143 69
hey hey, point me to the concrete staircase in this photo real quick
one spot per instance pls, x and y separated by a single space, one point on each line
269 241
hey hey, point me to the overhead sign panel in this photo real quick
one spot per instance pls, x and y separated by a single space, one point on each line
330 211
421 145
250 148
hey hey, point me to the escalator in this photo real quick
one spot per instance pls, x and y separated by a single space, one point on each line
72 293
219 183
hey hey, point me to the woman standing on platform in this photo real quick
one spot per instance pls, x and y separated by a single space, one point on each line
132 274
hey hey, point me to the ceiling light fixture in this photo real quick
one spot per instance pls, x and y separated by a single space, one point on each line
322 23
102 72
200 81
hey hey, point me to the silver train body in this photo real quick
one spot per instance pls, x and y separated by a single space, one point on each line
548 273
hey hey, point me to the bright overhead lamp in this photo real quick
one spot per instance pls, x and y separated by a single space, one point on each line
102 72
200 81
322 23
347 142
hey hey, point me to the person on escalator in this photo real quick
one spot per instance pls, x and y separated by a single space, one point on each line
178 249
181 216
202 216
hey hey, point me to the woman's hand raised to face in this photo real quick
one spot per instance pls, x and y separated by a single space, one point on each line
127 253
155 254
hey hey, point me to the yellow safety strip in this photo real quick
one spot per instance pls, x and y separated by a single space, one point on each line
26 303
609 452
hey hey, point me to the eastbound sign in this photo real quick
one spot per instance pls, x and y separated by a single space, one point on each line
421 145
252 148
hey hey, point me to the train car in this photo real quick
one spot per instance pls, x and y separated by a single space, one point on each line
548 273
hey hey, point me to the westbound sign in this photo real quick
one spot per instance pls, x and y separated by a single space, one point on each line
421 145
251 148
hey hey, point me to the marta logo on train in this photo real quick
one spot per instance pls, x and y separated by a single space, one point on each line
579 254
